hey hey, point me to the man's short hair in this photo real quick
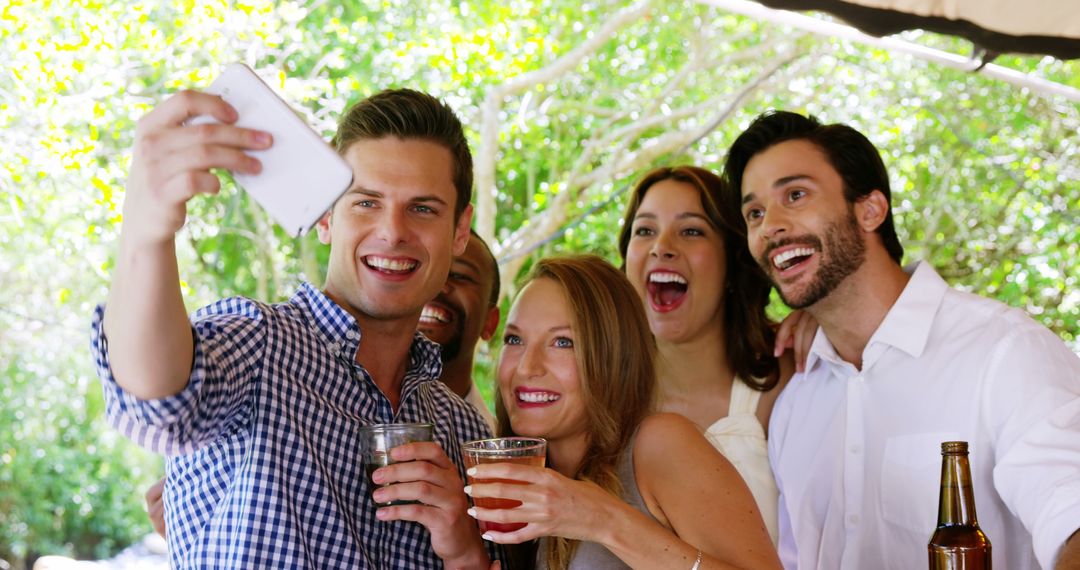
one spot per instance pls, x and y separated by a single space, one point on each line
849 152
410 114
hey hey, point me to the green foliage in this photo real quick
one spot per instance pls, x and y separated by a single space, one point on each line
985 175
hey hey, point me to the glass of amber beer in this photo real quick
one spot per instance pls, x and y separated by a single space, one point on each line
522 450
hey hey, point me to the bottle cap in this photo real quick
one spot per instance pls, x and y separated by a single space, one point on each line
950 447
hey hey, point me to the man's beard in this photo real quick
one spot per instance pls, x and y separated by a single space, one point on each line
843 253
452 348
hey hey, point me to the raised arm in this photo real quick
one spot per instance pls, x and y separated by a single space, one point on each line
149 337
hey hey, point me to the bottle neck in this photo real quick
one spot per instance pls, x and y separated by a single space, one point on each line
956 505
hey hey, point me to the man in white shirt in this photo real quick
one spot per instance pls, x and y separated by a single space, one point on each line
464 312
900 364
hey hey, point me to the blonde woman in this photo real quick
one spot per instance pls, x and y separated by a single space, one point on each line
623 488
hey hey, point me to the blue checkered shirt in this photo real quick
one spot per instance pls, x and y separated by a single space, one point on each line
264 470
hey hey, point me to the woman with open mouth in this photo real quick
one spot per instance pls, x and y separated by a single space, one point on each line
705 301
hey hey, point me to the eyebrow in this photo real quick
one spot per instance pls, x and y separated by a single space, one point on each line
376 194
682 216
777 184
556 328
474 267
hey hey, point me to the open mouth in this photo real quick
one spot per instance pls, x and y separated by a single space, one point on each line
792 257
435 315
666 289
390 265
528 397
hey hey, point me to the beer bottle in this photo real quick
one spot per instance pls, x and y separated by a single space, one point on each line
958 543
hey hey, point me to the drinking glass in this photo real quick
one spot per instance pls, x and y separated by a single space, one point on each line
522 450
377 440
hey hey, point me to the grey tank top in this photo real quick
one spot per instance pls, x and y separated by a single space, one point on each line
590 555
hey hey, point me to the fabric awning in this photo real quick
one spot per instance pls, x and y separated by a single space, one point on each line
1048 27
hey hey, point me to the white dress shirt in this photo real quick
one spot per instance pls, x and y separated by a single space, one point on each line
857 454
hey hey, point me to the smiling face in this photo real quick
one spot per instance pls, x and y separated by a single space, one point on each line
538 368
800 229
393 234
675 261
460 314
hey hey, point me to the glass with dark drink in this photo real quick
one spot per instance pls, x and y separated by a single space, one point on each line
521 450
376 441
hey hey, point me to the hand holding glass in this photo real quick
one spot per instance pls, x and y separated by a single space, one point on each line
520 450
376 441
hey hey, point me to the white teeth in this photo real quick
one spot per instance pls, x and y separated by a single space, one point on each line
537 397
782 258
390 264
435 314
666 277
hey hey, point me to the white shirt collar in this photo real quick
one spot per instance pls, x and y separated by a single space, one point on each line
907 324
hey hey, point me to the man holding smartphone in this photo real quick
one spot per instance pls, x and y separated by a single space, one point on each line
258 405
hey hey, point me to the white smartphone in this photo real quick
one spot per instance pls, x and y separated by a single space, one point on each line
302 176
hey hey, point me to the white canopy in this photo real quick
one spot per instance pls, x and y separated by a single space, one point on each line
1050 27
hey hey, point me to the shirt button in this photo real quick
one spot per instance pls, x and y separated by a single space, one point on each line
352 335
858 378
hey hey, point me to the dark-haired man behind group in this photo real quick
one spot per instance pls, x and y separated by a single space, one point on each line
258 405
465 312
900 364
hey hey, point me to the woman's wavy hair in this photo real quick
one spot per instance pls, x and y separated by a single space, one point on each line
748 332
615 353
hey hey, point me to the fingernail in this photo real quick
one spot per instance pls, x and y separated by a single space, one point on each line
487 536
381 514
256 166
263 139
468 490
471 471
377 476
471 512
378 496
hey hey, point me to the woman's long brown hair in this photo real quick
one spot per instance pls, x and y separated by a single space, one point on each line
615 353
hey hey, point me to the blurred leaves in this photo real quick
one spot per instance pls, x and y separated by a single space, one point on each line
985 175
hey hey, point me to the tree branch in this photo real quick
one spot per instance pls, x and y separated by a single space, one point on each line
489 121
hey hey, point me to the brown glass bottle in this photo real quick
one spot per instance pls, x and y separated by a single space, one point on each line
958 543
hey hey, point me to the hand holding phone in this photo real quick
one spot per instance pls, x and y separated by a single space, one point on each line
302 176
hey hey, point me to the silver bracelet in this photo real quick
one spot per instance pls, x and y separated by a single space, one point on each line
697 562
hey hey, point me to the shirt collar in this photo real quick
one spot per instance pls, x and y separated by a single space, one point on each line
342 333
907 324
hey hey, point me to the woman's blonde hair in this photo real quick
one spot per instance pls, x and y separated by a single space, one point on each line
615 353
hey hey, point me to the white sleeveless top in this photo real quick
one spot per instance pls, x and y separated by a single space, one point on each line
741 439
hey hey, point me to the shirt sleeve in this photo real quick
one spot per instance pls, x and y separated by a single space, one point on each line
229 341
1034 407
786 540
